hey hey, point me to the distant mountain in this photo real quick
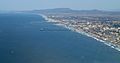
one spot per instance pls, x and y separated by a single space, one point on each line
56 10
59 9
68 10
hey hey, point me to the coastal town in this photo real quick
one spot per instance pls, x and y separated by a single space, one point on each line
103 28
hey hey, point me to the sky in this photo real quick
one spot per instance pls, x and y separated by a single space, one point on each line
49 4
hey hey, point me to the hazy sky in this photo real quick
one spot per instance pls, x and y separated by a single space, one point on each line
74 4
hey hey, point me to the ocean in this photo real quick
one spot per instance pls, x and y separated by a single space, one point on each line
23 40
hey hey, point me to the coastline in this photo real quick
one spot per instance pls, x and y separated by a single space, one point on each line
82 32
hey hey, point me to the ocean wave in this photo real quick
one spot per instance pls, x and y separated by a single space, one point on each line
83 33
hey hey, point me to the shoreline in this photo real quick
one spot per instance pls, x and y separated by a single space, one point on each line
82 32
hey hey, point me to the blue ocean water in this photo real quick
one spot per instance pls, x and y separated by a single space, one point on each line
21 41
